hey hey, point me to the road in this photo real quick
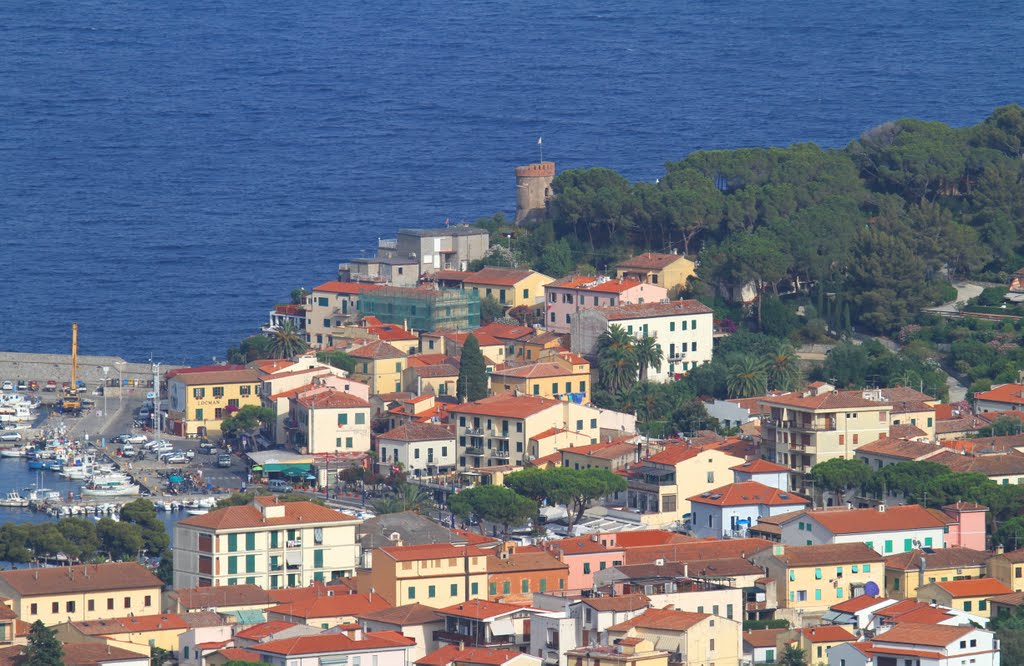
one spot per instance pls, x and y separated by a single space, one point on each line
964 292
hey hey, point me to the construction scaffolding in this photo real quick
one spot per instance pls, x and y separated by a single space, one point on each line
423 309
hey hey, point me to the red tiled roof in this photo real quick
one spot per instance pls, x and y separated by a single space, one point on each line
648 310
760 466
328 643
579 545
593 284
506 331
830 400
940 558
331 399
336 605
239 654
504 277
80 578
542 369
673 454
430 551
664 619
377 350
828 633
392 332
997 464
762 638
241 517
472 655
829 553
862 521
1009 393
218 376
618 603
906 449
402 616
133 623
649 538
747 493
505 405
934 635
260 631
650 261
696 550
975 587
226 596
352 288
418 432
856 604
475 539
601 450
479 609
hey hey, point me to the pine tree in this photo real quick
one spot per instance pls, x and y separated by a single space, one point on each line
472 383
43 647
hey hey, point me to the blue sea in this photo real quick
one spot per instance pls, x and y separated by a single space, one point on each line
170 170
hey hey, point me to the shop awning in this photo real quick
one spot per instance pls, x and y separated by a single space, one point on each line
299 469
293 558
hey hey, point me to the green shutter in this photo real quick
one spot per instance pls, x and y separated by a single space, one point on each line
492 589
455 590
273 539
431 591
506 587
250 541
526 585
250 564
232 543
474 588
318 559
232 565
543 584
412 592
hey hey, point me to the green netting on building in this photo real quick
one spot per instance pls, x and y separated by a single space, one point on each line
423 309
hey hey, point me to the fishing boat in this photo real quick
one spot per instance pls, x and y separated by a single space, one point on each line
197 512
14 499
110 486
17 452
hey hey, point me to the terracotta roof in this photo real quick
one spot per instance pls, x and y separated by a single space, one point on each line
328 643
503 277
940 558
506 331
418 432
990 417
760 466
619 603
580 545
337 605
828 633
475 539
996 464
863 521
392 332
696 550
550 432
856 604
550 459
134 623
649 538
479 609
762 638
213 367
925 615
226 596
906 431
433 371
935 635
505 405
258 632
1014 556
1012 599
1009 393
431 551
673 454
403 616
653 261
716 568
975 587
966 424
239 654
447 274
331 399
663 619
283 595
748 493
523 561
900 448
247 516
91 654
825 554
471 655
542 369
596 284
219 376
648 310
80 578
419 360
601 450
377 350
352 288
830 400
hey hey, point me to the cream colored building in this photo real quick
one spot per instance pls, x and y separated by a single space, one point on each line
511 287
139 633
800 430
379 365
561 374
498 430
905 572
697 639
670 271
625 652
311 381
329 421
266 543
82 592
329 305
1008 568
970 596
435 575
683 329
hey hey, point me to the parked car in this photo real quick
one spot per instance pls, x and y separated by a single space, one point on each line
33 385
206 449
51 385
8 386
136 439
278 486
127 451
22 385
163 446
10 437
224 460
177 458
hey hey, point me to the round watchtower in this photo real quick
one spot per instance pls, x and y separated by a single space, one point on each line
533 189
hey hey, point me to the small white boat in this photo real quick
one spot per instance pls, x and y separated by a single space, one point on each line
14 499
197 512
207 503
110 486
18 452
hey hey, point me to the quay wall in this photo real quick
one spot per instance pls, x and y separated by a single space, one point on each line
43 367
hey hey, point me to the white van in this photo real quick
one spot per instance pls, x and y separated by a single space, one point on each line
128 451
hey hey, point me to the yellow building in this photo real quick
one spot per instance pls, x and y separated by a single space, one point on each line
450 343
559 375
439 379
137 633
1008 568
625 652
511 287
970 596
670 271
379 365
698 638
199 398
815 641
435 575
83 592
813 578
906 572
612 456
266 543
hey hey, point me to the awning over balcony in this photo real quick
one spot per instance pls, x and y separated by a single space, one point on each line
293 558
656 471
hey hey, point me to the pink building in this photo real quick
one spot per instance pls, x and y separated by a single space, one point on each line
565 297
968 527
585 556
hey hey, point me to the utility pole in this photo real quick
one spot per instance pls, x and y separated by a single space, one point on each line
106 369
156 398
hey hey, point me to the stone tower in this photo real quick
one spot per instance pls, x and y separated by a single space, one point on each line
533 189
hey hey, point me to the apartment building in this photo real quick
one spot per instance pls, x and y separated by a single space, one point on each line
684 329
379 365
888 530
566 297
450 248
511 287
918 643
81 592
671 271
280 392
498 430
970 596
328 421
436 575
906 572
730 511
515 573
383 649
692 639
813 578
330 305
800 430
200 398
423 449
267 543
560 374
625 652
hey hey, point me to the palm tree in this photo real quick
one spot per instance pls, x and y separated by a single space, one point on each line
616 359
746 377
407 497
648 355
287 342
783 367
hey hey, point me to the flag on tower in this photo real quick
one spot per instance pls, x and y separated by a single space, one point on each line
446 221
540 141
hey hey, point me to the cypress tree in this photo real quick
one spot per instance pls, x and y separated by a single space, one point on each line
472 384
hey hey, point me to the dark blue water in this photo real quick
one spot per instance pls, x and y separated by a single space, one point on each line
169 170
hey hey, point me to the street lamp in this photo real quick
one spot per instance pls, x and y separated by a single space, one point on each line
106 370
120 383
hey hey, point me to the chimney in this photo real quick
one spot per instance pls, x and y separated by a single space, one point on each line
1000 550
686 569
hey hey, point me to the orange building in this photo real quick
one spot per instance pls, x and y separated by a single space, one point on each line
514 573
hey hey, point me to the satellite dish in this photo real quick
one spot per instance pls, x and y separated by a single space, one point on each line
871 588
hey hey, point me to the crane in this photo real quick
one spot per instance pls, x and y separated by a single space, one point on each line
71 402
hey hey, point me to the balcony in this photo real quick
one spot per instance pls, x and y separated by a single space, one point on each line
501 454
799 426
295 543
474 451
678 357
387 243
551 645
497 434
475 432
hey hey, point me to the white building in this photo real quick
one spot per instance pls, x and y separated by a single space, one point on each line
377 649
887 530
552 634
921 645
423 449
684 329
266 543
763 471
730 510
